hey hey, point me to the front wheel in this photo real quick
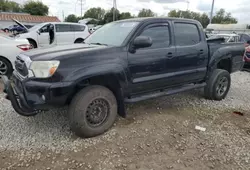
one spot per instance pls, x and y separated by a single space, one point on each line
92 111
218 85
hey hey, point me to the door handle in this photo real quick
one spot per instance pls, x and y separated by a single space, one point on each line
201 51
169 55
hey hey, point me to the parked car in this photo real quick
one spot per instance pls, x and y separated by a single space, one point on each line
229 38
146 58
91 30
64 33
247 54
10 48
244 37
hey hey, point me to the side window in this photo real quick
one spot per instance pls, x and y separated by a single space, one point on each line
245 38
159 35
186 34
63 28
44 29
78 28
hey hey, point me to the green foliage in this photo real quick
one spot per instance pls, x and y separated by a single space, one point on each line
71 18
125 15
222 17
96 13
146 13
36 8
9 6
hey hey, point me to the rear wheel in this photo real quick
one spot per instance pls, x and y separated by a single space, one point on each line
218 85
33 43
79 40
5 67
92 111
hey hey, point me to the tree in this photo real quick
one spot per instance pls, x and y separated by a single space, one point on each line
36 8
146 13
96 13
71 18
222 17
9 6
109 16
202 18
125 15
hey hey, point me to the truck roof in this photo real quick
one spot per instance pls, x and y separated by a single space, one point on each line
157 18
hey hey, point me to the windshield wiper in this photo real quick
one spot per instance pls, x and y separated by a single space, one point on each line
99 44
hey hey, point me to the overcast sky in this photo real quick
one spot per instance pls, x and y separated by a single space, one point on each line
239 8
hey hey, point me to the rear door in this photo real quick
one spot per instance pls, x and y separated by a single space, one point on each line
64 34
191 52
80 31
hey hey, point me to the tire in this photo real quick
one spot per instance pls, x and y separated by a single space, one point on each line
79 40
33 43
5 67
91 101
218 85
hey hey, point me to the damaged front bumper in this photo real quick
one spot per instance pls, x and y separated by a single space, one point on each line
30 96
17 98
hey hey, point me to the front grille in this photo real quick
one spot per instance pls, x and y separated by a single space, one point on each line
21 66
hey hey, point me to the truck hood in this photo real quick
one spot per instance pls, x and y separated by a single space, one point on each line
57 52
21 25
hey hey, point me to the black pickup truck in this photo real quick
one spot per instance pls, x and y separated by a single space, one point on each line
123 62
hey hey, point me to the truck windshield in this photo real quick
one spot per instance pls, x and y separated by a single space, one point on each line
111 34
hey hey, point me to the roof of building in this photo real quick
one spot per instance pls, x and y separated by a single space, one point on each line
23 17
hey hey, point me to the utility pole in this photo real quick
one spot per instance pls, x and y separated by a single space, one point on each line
211 14
81 8
188 5
114 10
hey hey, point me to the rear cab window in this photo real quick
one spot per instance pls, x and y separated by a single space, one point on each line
186 34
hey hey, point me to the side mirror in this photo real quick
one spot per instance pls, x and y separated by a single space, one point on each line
142 42
38 32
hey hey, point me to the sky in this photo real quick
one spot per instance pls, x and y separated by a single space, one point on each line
239 8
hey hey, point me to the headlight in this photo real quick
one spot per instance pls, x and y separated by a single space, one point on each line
43 69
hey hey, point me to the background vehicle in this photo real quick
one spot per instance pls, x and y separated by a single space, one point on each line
229 38
65 33
10 48
146 58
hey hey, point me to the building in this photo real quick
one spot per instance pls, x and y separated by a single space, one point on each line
24 18
228 28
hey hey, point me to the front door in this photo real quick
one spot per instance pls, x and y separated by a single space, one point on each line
147 66
43 36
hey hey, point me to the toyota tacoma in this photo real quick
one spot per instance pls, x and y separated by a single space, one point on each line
123 62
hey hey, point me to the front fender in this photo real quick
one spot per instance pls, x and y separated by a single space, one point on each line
114 69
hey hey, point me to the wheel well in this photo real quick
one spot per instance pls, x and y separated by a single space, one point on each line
79 39
32 40
225 64
7 60
108 81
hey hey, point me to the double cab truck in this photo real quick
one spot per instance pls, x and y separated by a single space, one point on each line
123 62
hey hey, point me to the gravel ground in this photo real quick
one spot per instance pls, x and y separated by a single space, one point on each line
158 134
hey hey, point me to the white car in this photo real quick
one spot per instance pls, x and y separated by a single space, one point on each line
229 38
9 49
62 33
